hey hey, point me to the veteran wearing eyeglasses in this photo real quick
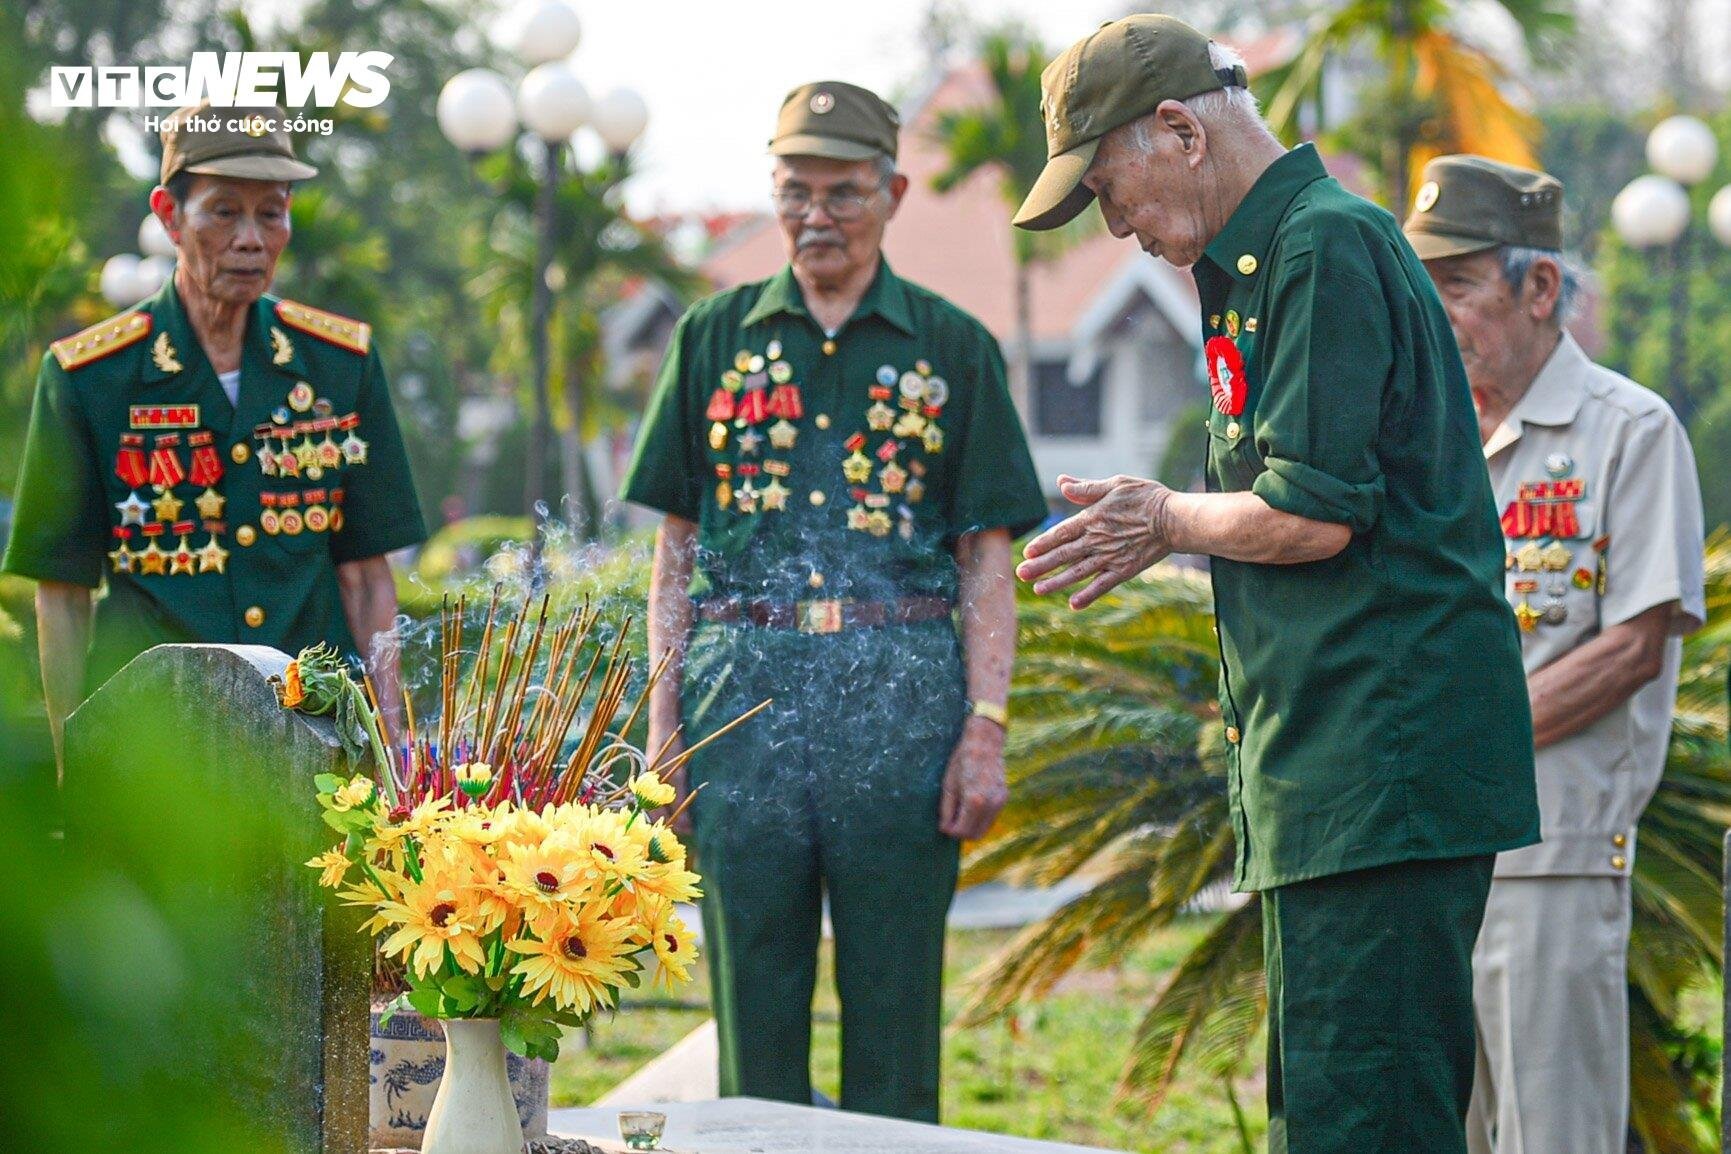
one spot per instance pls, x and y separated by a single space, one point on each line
841 472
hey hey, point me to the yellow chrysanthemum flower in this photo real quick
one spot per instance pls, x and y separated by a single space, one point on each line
575 961
334 866
611 854
357 794
674 946
434 914
651 792
474 777
545 877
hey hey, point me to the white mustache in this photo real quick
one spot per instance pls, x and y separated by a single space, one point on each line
813 236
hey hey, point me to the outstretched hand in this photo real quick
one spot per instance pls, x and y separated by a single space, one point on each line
1117 534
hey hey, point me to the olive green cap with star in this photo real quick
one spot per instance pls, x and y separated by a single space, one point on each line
1119 73
244 143
837 120
1469 204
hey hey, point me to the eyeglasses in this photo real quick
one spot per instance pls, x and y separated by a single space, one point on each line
796 203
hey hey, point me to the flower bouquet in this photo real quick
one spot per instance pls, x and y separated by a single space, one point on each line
522 880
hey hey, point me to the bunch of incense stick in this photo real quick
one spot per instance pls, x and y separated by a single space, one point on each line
513 706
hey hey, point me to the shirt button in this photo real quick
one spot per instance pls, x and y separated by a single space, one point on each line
815 580
245 535
1232 429
829 348
1619 840
817 497
1618 863
823 420
255 616
240 453
1232 734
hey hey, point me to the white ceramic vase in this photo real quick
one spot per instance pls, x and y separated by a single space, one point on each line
474 1112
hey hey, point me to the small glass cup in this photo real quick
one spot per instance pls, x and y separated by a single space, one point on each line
642 1129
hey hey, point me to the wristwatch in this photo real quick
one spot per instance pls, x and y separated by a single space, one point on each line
991 711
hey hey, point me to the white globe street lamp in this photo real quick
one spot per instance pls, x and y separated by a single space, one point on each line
1683 148
153 272
476 110
1719 216
153 239
547 31
120 280
1651 212
552 102
619 119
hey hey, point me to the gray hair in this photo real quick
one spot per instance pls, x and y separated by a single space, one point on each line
1517 262
1231 108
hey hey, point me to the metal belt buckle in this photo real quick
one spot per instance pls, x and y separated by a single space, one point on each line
818 616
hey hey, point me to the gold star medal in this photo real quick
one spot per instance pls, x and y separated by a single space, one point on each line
1526 616
880 417
878 523
858 518
167 506
183 559
933 438
893 477
212 558
209 505
775 495
910 425
857 468
783 434
354 450
152 560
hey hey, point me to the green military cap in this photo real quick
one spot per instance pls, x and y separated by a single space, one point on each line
1470 204
1119 73
835 119
247 143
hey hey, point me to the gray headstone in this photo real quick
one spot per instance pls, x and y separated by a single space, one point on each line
188 782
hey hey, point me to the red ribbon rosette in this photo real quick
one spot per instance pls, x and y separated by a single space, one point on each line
1226 379
720 406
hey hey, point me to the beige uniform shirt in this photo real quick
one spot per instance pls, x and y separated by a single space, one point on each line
1601 509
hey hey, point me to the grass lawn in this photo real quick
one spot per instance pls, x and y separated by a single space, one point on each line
1051 1075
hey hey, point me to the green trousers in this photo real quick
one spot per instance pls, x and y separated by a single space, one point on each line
832 791
1370 1008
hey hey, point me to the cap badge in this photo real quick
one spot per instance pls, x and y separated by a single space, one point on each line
1427 196
255 126
822 102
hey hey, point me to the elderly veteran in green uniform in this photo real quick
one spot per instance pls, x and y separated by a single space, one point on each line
1376 736
842 470
1601 510
227 462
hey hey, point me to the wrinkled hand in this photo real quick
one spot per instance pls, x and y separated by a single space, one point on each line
1115 537
974 788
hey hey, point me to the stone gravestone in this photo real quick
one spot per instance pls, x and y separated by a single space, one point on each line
187 781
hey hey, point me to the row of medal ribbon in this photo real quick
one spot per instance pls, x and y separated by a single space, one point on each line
921 399
309 458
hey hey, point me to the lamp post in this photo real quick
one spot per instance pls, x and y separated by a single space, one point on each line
1653 212
479 113
128 278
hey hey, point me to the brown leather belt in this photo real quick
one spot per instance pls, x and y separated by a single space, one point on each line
828 616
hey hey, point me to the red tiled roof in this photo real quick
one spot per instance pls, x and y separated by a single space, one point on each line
958 243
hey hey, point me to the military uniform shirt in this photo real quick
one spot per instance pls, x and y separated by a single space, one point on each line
211 521
1601 508
833 467
1373 702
